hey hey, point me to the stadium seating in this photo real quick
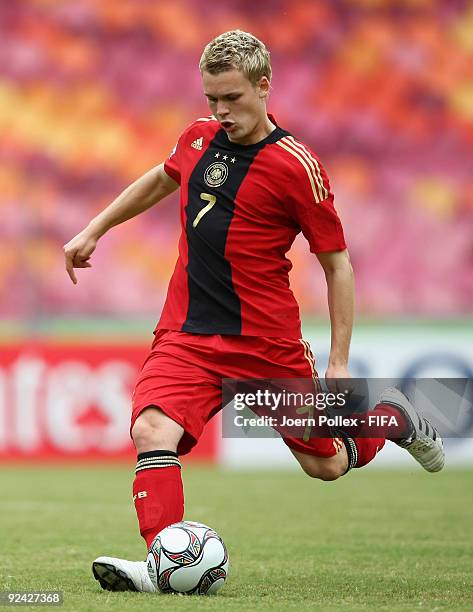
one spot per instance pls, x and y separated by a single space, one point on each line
93 93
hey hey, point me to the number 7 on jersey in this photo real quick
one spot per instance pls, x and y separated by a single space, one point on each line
207 197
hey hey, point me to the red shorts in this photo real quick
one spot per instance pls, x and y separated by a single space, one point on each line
183 374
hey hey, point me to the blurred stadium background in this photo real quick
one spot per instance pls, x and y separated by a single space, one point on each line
95 92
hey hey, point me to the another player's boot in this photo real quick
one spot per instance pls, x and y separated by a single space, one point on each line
121 575
424 442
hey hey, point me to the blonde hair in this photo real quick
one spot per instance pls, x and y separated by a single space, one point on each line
240 50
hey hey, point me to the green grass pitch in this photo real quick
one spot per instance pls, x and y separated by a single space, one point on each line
374 540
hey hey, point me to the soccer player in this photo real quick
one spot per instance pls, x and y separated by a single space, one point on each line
247 188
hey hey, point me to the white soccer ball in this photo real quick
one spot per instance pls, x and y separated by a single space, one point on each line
188 557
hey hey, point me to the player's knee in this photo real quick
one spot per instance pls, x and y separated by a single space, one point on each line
144 433
323 469
331 472
326 473
153 430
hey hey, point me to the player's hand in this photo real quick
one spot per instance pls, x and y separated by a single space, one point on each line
77 253
336 378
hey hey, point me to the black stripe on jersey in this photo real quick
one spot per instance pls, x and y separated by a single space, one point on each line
214 306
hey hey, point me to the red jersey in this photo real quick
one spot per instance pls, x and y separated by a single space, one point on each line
241 208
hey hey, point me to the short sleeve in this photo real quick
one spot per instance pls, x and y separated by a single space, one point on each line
312 207
172 165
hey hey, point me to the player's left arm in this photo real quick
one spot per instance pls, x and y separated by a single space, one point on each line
312 207
340 293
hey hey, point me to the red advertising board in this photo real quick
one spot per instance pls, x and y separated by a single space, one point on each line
73 402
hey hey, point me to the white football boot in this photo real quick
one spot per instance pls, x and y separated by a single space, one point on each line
424 443
121 575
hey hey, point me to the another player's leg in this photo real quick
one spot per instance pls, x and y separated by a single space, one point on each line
157 494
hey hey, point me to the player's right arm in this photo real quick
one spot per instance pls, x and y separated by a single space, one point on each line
135 199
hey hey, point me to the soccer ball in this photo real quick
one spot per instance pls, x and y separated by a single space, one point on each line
188 557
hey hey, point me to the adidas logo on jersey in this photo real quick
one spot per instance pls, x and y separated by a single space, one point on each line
197 144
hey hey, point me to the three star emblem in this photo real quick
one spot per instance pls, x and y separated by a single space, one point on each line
225 157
